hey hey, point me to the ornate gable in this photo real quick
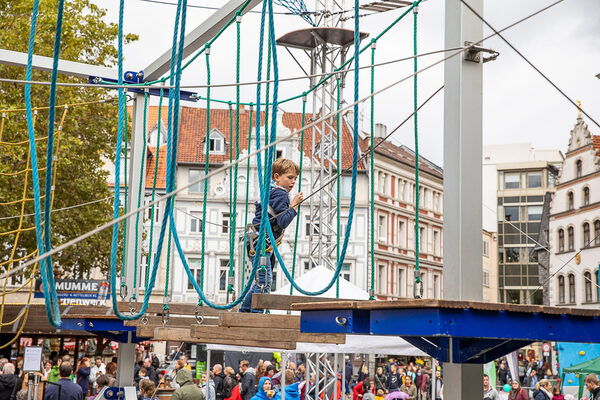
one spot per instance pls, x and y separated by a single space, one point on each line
580 135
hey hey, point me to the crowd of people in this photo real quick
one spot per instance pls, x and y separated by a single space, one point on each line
542 390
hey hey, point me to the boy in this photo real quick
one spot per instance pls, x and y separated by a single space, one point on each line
281 213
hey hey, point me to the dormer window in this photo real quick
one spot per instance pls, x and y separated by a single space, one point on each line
217 142
578 167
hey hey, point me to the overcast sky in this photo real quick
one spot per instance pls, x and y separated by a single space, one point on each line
519 106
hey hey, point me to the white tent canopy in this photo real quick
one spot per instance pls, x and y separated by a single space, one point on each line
366 344
316 279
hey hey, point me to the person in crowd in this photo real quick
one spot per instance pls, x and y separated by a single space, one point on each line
102 381
502 373
517 392
21 394
363 373
152 374
68 389
531 379
271 371
142 375
235 392
300 373
9 382
83 375
348 373
97 369
394 380
380 380
184 360
265 389
592 384
543 390
557 393
261 370
247 389
489 393
219 379
410 371
361 388
111 372
147 390
291 388
229 382
409 387
47 368
186 390
379 394
155 361
208 386
439 385
424 386
368 386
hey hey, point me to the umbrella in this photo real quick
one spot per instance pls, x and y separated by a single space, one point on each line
396 395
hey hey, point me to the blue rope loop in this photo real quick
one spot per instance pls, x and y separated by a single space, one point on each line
296 7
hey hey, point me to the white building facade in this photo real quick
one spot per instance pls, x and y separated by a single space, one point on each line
574 230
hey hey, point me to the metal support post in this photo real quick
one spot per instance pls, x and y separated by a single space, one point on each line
317 370
283 369
125 363
335 376
462 182
36 386
433 369
30 386
344 384
207 390
307 376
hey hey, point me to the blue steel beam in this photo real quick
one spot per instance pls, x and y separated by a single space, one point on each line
340 321
437 347
95 324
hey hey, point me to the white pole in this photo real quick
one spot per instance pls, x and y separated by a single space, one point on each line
307 376
335 376
284 359
207 390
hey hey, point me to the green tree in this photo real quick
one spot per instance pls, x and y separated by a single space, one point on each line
86 141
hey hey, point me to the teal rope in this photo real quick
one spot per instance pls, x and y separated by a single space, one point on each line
247 192
299 189
337 181
43 240
372 165
206 163
416 128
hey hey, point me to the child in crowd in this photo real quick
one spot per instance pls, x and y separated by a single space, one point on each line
281 213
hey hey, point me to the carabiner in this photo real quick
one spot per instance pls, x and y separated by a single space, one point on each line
199 318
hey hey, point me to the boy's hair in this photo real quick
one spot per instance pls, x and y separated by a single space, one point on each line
380 392
283 165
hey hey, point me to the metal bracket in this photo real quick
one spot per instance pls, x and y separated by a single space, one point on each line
473 53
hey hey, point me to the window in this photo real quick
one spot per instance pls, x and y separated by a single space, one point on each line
571 233
401 282
436 243
225 223
512 254
196 222
570 203
578 168
486 247
597 233
571 288
194 175
511 213
382 227
587 281
346 271
274 278
486 278
381 285
345 187
534 179
586 196
561 289
597 284
195 267
561 240
217 142
512 181
401 233
422 239
534 213
586 235
278 154
223 274
436 286
306 266
307 226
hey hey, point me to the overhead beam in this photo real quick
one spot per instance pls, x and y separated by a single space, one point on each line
264 321
267 301
235 333
198 37
41 63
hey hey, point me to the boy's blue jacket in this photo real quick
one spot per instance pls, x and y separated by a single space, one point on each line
280 203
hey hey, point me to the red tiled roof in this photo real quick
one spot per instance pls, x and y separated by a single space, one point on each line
193 131
404 155
596 139
161 181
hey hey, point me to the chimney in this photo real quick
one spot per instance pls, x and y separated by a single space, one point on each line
380 131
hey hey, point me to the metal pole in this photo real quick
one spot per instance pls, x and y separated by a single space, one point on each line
317 370
433 369
30 386
307 376
344 384
36 386
335 376
207 391
462 182
284 359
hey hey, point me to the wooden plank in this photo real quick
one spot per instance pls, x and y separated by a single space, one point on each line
328 305
252 320
293 335
267 301
183 335
175 322
174 308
